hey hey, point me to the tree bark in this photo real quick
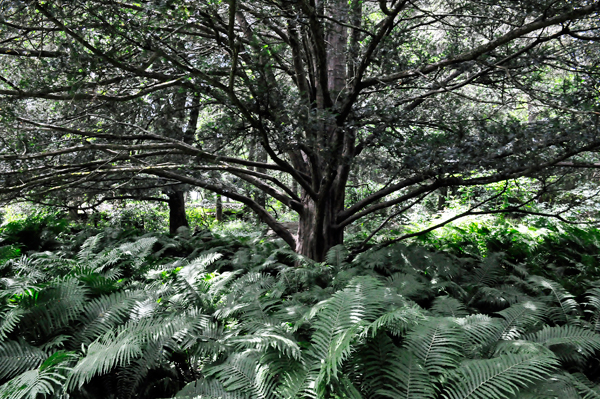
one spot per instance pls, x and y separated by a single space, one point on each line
177 217
219 208
317 233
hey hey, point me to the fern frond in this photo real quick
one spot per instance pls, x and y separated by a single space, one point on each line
131 376
519 317
242 372
584 342
297 383
408 285
119 347
104 313
17 357
17 287
448 306
497 377
488 272
139 249
336 256
339 351
9 319
567 306
339 313
53 307
481 331
501 296
89 247
437 344
262 340
207 389
45 380
521 347
586 388
593 302
409 378
368 363
397 321
555 386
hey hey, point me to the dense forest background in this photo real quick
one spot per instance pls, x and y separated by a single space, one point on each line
286 199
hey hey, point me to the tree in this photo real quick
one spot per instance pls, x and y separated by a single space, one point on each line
416 95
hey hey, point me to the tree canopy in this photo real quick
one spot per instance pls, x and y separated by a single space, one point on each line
112 98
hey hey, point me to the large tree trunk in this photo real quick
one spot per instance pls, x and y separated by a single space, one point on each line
316 231
177 217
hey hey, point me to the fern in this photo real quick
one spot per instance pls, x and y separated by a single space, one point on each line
208 389
336 256
519 318
583 342
103 314
437 344
488 272
53 307
408 376
45 380
119 348
593 303
397 321
584 386
448 306
17 357
567 307
338 316
370 359
497 377
242 372
9 319
481 331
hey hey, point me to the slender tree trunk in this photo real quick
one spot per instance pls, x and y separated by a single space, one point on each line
261 156
219 208
177 217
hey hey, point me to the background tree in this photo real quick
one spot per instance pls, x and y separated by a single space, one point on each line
417 95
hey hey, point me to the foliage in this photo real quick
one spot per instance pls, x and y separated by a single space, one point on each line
221 315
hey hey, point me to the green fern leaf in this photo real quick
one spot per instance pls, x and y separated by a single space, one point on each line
207 389
369 362
520 317
448 306
498 377
555 386
593 303
584 342
437 344
488 272
104 313
481 332
243 373
17 357
584 386
53 307
263 339
48 379
9 320
397 321
567 307
336 256
409 378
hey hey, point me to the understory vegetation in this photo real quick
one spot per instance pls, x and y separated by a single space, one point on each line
483 309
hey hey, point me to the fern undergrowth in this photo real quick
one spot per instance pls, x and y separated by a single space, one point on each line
120 316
